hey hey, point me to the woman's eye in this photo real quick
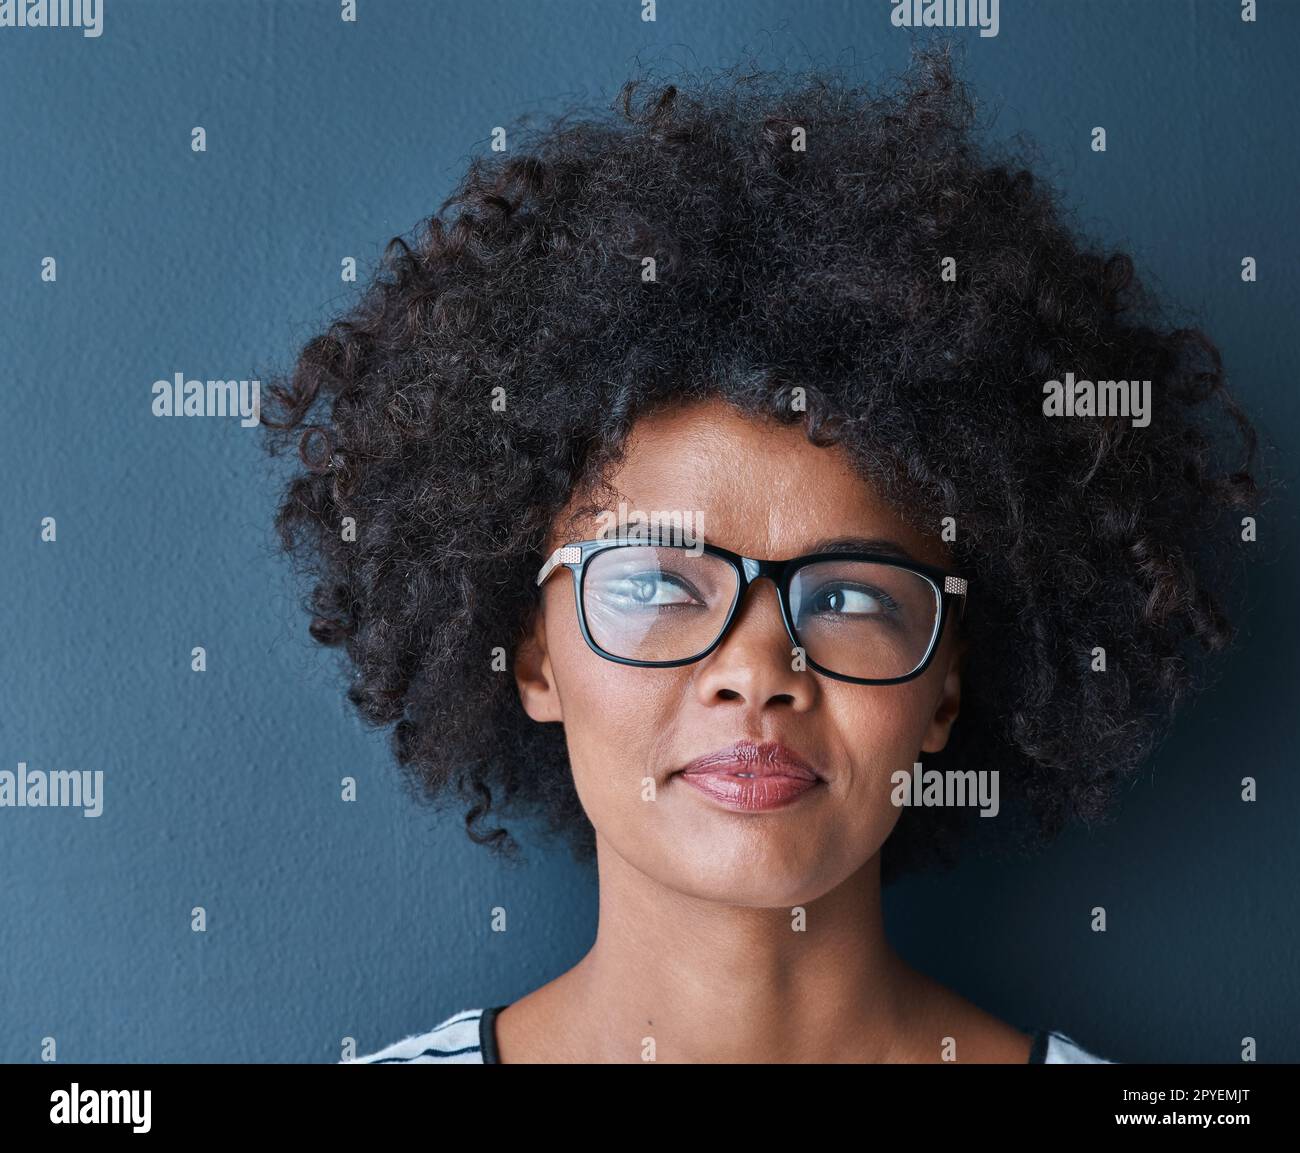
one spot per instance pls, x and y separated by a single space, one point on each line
852 600
647 590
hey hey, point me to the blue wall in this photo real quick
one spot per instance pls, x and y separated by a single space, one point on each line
221 789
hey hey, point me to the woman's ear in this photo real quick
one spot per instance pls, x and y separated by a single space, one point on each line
948 705
533 673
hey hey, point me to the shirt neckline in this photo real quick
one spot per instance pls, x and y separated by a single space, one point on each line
487 1035
487 1039
1038 1050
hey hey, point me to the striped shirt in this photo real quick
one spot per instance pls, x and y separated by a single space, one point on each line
469 1038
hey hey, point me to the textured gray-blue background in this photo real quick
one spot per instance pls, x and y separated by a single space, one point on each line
222 789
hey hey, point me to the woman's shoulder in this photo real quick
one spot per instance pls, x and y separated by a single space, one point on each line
461 1039
1052 1047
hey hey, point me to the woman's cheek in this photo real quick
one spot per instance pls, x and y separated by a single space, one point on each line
879 733
612 728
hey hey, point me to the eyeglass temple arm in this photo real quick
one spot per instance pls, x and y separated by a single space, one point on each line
565 554
957 586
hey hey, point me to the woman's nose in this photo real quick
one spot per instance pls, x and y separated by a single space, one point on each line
756 660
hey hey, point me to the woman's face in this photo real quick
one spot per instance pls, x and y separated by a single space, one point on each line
763 490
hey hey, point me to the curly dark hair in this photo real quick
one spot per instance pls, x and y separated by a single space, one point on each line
776 267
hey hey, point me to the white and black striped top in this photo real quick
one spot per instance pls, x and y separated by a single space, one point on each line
469 1038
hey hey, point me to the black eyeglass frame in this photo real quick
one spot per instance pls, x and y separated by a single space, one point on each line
576 555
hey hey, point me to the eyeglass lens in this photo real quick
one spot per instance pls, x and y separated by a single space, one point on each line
855 618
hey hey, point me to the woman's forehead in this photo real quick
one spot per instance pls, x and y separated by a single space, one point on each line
750 484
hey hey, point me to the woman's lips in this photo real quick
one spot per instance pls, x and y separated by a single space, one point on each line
750 793
751 776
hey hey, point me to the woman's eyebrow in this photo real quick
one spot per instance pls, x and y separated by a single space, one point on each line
862 544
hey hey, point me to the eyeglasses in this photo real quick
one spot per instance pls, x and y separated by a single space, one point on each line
865 618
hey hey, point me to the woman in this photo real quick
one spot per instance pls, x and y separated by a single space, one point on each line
770 370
